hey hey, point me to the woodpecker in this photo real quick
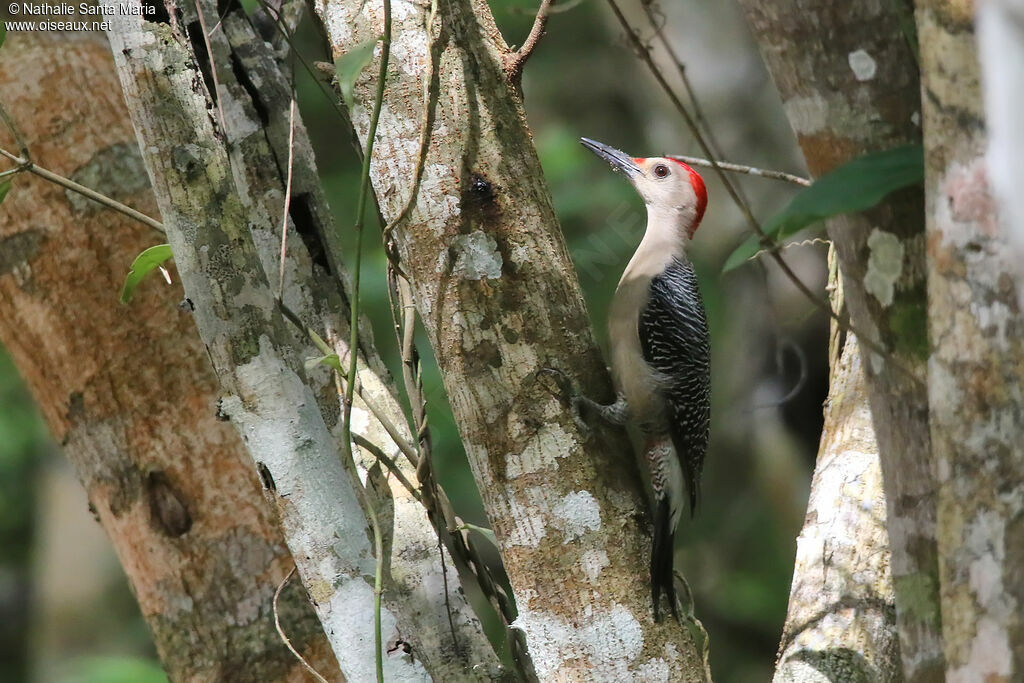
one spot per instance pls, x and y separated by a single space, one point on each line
660 349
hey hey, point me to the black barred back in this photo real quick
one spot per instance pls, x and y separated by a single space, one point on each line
674 340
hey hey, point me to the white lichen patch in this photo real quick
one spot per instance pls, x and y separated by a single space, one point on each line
809 115
862 64
541 452
576 514
592 562
529 519
611 641
885 265
991 657
476 256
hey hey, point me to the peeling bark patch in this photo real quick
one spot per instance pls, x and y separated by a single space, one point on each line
169 514
862 64
885 265
19 248
115 171
476 256
576 514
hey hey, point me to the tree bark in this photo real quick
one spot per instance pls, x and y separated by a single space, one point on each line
841 621
1001 48
129 393
977 363
210 142
495 288
849 83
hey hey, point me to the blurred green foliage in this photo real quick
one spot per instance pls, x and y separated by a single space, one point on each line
113 670
22 438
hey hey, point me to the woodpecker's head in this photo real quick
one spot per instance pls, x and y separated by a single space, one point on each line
667 185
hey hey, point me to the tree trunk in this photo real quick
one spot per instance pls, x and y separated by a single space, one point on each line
495 288
216 152
977 364
129 392
841 621
849 83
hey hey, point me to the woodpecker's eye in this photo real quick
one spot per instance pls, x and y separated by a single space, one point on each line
661 170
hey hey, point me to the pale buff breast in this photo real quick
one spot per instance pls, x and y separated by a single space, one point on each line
634 378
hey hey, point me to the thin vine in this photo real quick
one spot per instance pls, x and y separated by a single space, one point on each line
350 381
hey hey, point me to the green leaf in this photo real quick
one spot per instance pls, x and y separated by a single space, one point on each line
331 360
351 64
483 531
142 266
855 186
5 185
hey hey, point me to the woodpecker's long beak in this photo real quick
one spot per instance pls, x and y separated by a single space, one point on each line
619 160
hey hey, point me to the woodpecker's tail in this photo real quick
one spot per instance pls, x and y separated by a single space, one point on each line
662 552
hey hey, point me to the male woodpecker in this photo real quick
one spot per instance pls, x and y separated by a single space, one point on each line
660 350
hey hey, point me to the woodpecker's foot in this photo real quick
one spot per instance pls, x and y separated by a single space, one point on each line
568 392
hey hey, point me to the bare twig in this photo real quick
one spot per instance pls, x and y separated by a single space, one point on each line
740 168
515 61
698 112
280 631
770 245
213 68
379 453
18 138
25 164
287 195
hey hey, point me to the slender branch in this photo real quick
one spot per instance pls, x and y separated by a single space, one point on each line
18 138
515 61
213 68
378 587
740 168
378 452
25 164
770 245
698 112
280 631
287 195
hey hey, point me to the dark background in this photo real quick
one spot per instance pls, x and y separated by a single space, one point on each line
65 610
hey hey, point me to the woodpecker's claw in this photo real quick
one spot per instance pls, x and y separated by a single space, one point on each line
568 392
